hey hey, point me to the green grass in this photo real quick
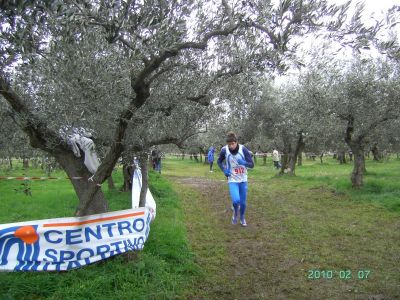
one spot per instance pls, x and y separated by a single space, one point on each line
313 220
165 269
381 182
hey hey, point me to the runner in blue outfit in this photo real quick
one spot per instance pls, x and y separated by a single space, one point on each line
237 159
210 157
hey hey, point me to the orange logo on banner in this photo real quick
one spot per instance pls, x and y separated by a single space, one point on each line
27 234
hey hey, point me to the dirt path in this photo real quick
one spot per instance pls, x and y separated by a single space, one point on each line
241 258
291 230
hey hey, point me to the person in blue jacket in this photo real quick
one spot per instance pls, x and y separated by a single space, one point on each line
210 157
233 160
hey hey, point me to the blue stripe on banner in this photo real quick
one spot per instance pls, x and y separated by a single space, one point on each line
67 243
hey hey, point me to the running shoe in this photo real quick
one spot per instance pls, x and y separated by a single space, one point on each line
232 208
234 219
243 223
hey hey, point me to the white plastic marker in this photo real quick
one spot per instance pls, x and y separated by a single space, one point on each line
136 187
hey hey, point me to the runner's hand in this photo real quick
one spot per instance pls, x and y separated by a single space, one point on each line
227 172
242 162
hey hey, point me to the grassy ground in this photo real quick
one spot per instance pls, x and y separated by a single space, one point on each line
381 182
309 237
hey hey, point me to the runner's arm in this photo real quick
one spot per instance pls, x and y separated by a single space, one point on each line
221 158
248 158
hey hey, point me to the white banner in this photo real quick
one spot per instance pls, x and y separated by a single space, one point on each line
136 187
66 243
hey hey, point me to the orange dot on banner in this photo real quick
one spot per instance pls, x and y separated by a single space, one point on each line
27 234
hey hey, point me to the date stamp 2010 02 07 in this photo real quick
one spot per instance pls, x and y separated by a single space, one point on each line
347 274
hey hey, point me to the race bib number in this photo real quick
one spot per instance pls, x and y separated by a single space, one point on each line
239 170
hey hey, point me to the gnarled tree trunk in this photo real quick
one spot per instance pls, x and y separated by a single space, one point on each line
356 146
91 197
359 167
111 184
144 168
88 188
10 164
300 159
127 172
375 151
300 148
25 163
285 159
341 157
297 149
289 158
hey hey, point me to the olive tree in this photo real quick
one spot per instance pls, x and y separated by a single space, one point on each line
128 45
133 72
364 97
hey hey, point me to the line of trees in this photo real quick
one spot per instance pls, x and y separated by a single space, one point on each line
139 74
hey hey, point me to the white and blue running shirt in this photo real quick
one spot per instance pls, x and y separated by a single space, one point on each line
238 172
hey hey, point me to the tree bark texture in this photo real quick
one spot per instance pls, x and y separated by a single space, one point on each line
25 163
297 149
127 172
144 168
300 148
111 184
341 157
356 146
300 159
290 154
91 197
284 161
375 152
358 169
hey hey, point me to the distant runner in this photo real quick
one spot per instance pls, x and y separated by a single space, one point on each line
210 157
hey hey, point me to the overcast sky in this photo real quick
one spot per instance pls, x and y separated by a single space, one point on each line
373 9
379 5
377 8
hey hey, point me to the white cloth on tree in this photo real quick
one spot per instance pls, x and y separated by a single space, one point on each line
87 145
75 147
136 189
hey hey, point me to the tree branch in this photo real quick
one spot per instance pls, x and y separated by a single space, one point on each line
373 125
349 129
40 135
156 61
200 99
